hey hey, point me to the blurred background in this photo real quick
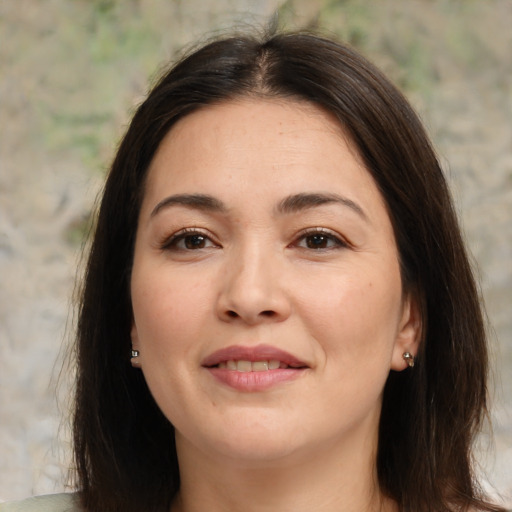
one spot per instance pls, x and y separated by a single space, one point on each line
71 74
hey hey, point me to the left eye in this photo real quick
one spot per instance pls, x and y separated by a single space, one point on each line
320 240
188 241
193 242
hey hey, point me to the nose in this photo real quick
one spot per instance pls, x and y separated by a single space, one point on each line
253 290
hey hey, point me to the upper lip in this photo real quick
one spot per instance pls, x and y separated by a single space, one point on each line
256 353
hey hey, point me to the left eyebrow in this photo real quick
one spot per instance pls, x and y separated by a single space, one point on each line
304 201
194 201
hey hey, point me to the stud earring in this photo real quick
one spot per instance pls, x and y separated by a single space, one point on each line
408 358
135 358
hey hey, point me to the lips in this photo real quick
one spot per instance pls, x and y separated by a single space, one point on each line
252 369
260 353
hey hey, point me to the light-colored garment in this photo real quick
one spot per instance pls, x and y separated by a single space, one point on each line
47 503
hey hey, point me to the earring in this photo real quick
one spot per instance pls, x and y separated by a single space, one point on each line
134 359
408 358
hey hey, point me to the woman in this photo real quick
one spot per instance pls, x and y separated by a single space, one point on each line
278 311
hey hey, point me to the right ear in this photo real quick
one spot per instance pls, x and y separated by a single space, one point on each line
409 335
135 353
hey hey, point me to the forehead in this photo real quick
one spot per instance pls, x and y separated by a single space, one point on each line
256 121
271 126
259 146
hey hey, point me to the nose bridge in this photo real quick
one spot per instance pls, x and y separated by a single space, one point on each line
252 287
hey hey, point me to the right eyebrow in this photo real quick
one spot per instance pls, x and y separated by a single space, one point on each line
298 202
196 201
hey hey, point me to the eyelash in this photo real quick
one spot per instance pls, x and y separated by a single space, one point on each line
171 243
323 234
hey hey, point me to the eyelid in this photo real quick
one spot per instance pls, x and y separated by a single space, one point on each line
340 241
167 241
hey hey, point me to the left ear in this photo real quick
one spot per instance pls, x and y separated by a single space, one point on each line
409 333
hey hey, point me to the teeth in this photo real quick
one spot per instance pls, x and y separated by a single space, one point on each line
260 366
252 366
244 366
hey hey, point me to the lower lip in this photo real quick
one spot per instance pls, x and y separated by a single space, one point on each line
255 381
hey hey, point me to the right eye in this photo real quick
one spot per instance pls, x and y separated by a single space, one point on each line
188 240
320 239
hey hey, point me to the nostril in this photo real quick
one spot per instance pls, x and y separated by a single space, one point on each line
267 313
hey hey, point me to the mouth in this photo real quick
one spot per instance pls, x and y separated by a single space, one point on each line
255 366
252 369
260 358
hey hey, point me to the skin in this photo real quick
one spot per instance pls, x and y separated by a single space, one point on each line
250 274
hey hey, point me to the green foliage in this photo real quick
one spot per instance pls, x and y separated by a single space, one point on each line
97 56
351 21
101 53
415 42
78 230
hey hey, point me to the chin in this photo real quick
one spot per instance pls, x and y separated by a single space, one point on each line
250 452
247 445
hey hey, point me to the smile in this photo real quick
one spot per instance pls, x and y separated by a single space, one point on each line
252 359
251 369
252 366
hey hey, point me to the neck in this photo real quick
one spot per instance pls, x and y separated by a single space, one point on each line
325 481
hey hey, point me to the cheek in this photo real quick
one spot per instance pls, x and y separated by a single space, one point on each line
168 309
354 315
169 312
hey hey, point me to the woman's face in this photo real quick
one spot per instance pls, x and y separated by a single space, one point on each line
267 299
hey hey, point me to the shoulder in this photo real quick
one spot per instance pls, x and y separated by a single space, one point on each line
48 503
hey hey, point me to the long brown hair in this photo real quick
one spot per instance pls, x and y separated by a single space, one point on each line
124 446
